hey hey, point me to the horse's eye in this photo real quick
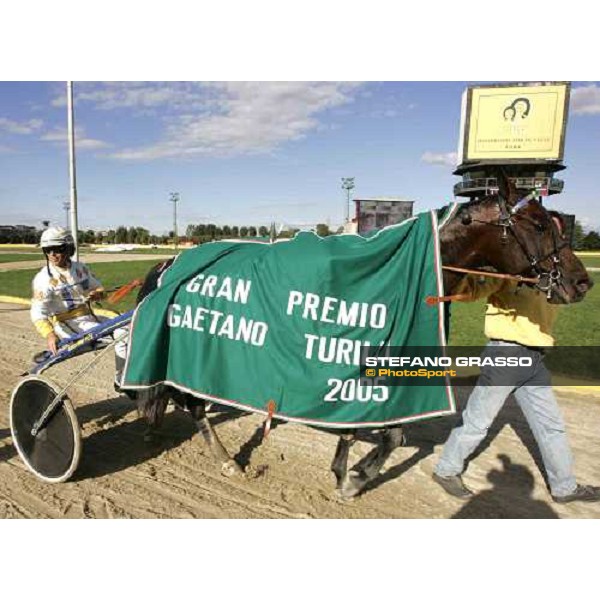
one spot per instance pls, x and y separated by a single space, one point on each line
539 227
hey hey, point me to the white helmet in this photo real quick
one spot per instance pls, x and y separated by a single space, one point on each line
57 236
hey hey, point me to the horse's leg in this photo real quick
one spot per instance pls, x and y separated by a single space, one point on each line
339 465
197 409
368 468
152 404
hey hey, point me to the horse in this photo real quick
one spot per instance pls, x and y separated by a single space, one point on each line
500 233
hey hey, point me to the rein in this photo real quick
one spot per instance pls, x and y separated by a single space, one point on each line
519 278
431 300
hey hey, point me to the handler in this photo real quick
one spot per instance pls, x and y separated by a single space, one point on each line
62 291
518 322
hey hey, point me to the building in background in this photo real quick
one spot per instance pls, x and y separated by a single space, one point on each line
381 211
518 127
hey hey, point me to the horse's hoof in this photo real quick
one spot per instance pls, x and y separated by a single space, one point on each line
342 497
350 487
252 472
231 468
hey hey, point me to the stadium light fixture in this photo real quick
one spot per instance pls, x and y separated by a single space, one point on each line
348 185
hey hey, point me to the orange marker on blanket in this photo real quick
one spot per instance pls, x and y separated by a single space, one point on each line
270 410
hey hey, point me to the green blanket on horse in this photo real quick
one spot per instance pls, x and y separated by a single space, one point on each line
281 326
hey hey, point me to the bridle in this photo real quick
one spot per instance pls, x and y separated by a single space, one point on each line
547 279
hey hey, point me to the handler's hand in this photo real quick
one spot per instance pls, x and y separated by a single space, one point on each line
52 341
96 295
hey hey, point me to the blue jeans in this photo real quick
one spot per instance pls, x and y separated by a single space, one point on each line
533 392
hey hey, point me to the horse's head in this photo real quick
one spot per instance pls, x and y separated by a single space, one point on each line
519 236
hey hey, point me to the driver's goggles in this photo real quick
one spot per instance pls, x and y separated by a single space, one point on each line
56 249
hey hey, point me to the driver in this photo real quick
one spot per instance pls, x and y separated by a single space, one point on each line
62 291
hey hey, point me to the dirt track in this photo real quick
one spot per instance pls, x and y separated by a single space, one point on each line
89 258
121 476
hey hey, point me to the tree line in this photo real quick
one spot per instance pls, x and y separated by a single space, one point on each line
201 233
17 234
196 234
585 241
121 235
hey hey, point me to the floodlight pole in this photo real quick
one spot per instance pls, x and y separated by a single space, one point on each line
67 207
348 185
174 198
73 197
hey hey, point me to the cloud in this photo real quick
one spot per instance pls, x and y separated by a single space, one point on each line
81 141
385 113
219 119
22 127
143 97
6 150
585 100
448 159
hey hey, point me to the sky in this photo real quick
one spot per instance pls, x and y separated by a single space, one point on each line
249 153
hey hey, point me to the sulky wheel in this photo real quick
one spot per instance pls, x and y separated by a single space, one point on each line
53 452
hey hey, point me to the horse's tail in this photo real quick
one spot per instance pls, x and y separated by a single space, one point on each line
151 281
152 404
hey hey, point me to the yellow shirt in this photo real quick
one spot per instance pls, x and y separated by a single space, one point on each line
515 314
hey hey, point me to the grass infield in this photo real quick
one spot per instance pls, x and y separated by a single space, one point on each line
7 257
18 283
577 324
36 251
590 261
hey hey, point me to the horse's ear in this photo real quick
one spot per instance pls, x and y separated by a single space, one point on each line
506 187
